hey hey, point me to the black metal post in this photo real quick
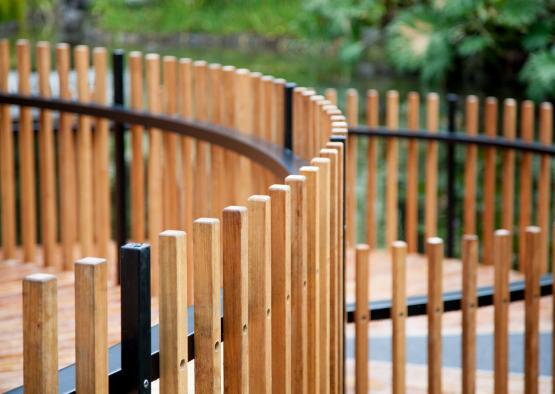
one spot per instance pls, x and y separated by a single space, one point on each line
451 173
135 318
288 124
119 149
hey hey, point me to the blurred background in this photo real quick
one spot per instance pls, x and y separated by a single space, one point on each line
489 47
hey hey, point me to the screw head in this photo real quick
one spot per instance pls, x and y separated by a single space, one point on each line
146 383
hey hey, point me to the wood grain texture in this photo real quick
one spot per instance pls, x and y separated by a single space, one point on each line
26 156
298 121
173 312
40 334
280 195
47 162
372 120
398 315
489 210
313 276
91 325
7 174
208 350
502 261
299 381
469 249
392 170
331 95
532 301
430 193
544 184
236 299
66 154
202 199
85 195
243 123
411 222
137 172
361 319
470 165
351 105
434 252
526 178
216 152
260 287
508 166
228 120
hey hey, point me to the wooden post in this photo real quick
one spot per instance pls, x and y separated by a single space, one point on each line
7 175
526 177
279 117
544 185
47 162
469 305
508 172
102 163
532 309
430 207
398 315
471 120
26 156
229 93
331 95
299 382
323 166
280 196
137 155
173 312
243 123
236 299
489 181
391 157
502 264
91 325
216 152
201 201
413 123
84 152
372 120
313 275
361 319
351 202
66 154
206 257
298 122
154 166
260 286
434 252
40 334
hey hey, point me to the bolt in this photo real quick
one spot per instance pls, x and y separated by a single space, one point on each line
145 383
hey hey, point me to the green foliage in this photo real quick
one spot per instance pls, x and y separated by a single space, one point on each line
12 10
430 38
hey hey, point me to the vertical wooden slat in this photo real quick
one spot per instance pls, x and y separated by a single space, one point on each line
391 157
91 325
299 381
372 120
40 334
102 162
208 354
170 143
260 286
469 304
47 162
173 312
236 299
398 315
298 122
201 201
154 166
544 184
508 172
137 153
305 122
471 124
314 129
324 172
526 177
313 276
351 201
216 152
532 309
26 156
413 123
243 123
430 207
279 104
331 95
434 252
229 94
280 196
7 177
489 180
361 319
502 264
66 154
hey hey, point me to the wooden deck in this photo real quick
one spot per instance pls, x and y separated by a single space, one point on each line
11 359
